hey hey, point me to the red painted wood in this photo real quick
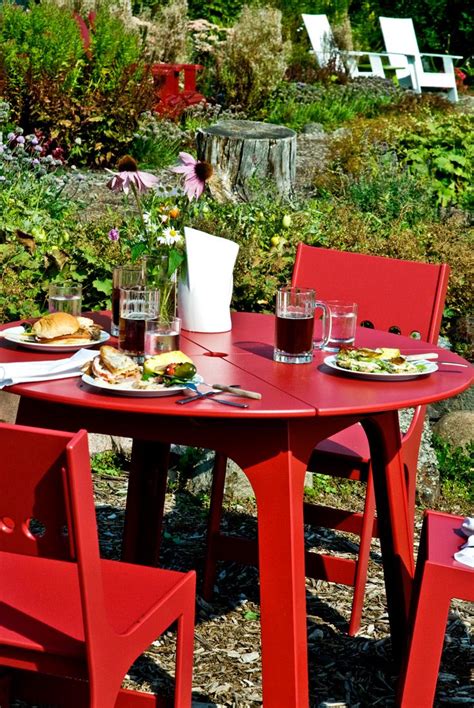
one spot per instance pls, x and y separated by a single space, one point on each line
439 579
172 98
65 612
271 441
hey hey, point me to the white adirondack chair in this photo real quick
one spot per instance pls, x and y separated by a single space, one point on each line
325 50
400 39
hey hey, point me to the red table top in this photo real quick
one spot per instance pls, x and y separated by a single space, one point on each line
243 356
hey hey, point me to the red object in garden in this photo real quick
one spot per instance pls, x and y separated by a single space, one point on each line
395 295
271 441
67 617
438 580
175 87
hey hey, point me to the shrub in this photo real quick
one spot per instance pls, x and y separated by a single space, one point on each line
253 60
435 145
295 104
164 31
87 101
455 466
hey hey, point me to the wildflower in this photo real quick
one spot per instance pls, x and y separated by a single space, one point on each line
114 234
170 237
129 177
174 212
196 174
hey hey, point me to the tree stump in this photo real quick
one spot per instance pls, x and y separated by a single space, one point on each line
242 150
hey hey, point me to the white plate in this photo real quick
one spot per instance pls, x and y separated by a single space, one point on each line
16 335
382 376
126 389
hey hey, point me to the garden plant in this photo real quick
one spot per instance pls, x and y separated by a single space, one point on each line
390 172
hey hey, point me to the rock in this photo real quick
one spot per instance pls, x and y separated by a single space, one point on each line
8 407
427 480
122 445
99 443
456 427
463 402
315 129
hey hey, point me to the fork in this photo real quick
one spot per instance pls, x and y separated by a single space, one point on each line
210 395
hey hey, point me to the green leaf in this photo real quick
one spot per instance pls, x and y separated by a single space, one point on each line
103 286
249 615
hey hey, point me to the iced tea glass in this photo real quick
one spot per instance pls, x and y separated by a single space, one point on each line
137 305
126 276
294 325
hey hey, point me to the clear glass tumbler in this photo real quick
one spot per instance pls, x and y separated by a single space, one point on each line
137 305
126 276
65 297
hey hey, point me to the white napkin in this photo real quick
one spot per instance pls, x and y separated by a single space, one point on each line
29 371
466 554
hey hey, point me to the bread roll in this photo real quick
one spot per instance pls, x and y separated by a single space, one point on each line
57 324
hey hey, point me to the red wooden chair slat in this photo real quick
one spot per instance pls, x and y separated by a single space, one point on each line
65 612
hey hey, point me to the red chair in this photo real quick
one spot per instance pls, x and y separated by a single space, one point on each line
171 97
403 297
72 624
438 579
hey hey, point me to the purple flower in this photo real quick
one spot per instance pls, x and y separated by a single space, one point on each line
196 174
114 234
128 176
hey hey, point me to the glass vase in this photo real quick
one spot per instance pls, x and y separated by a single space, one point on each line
157 276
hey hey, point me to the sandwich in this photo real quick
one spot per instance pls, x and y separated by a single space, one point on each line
112 366
63 328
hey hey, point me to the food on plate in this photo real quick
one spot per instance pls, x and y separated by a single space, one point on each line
169 368
165 370
112 366
376 361
63 328
158 363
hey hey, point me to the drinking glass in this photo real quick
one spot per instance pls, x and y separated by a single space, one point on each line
137 305
65 297
126 276
162 335
343 324
294 325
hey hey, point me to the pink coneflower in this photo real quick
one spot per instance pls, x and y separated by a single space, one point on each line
114 234
196 174
129 176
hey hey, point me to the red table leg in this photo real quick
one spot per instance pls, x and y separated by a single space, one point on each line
145 502
395 527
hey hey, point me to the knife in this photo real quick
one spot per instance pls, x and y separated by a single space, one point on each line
238 391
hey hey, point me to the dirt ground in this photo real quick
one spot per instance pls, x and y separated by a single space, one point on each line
349 671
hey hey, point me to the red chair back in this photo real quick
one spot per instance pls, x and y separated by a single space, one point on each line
34 512
392 295
47 506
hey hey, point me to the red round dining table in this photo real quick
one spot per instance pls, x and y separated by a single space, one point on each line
271 441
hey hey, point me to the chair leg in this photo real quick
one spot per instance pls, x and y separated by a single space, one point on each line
213 526
184 659
417 682
363 558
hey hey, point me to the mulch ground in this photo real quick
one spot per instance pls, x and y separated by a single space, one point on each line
349 671
343 671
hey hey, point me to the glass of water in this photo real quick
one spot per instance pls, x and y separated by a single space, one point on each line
65 297
343 324
162 335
